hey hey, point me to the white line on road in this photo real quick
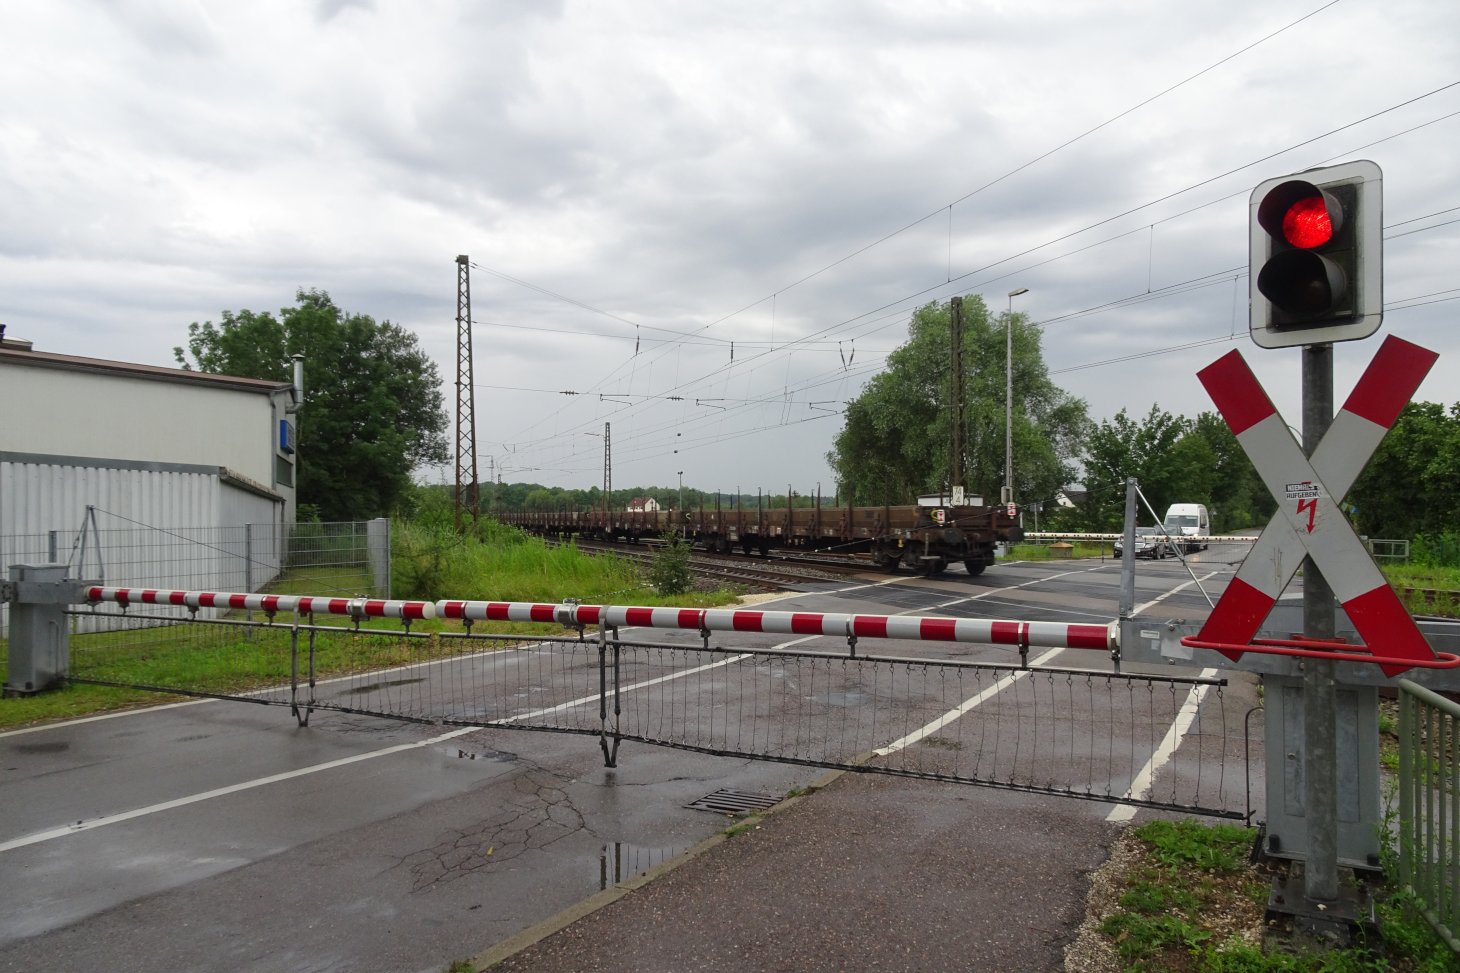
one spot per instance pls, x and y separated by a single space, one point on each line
105 716
1141 786
1138 787
1181 587
102 822
963 707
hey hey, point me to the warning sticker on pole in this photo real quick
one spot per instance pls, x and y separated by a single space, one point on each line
1307 490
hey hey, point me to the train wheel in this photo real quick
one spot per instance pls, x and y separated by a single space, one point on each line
886 562
974 568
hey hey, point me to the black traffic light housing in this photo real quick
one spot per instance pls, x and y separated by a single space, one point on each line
1316 258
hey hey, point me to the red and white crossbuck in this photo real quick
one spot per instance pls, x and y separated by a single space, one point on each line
1308 492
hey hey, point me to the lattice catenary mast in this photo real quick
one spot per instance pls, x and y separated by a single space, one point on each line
468 492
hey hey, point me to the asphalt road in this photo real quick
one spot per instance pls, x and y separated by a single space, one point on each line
221 836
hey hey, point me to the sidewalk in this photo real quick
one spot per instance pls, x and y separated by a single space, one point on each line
864 873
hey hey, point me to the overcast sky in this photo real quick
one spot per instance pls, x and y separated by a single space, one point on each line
640 184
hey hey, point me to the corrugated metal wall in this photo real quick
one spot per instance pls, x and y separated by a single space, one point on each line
153 527
39 497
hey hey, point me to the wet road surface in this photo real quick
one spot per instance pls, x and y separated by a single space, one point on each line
220 836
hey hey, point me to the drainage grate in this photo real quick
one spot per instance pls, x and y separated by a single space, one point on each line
733 802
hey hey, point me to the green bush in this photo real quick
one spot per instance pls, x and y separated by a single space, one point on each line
1436 550
669 572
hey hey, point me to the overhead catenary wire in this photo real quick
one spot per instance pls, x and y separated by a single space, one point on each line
808 341
974 192
1215 278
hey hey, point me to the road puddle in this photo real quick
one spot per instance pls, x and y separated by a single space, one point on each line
620 861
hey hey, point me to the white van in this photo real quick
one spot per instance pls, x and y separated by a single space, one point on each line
1190 520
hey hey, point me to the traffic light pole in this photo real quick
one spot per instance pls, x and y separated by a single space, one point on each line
1320 732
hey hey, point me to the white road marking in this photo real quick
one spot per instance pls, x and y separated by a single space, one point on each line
1141 786
1181 587
104 716
109 819
963 707
105 820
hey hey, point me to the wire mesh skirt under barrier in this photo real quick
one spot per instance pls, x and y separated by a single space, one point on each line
1153 741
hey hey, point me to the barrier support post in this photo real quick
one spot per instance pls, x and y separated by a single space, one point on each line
610 753
40 646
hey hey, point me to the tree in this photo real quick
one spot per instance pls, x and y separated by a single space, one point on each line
1119 448
895 444
1236 494
373 408
1174 460
1409 487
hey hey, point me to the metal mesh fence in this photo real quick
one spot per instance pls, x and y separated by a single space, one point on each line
1087 734
349 558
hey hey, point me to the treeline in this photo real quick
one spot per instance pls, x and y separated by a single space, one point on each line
518 497
1174 460
1410 490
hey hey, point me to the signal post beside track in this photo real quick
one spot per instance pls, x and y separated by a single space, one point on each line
1316 272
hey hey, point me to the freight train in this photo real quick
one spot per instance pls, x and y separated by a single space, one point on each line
925 537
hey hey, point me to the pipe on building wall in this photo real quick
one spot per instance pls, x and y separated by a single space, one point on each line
296 392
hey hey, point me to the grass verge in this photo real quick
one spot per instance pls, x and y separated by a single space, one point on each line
1049 552
502 565
1182 897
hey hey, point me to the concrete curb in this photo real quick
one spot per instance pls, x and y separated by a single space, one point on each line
535 934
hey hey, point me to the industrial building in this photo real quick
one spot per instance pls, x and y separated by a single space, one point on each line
89 447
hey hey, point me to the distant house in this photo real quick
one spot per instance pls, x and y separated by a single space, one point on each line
1069 497
643 505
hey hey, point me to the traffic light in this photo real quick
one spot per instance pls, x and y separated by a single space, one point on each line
1316 256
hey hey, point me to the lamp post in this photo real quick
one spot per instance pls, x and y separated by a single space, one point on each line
681 503
1008 491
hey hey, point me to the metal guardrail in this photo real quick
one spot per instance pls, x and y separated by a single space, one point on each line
1429 805
1383 549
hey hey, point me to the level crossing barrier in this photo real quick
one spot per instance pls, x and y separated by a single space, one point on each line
910 708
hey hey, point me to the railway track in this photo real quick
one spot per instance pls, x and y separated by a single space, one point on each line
766 574
1438 598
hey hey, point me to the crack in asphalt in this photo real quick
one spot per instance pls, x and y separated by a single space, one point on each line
538 814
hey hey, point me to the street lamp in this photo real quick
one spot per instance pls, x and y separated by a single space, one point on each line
1007 494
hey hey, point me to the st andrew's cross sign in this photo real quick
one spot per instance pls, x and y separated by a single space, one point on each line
1308 493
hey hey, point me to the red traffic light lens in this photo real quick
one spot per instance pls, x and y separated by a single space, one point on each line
1301 215
1307 223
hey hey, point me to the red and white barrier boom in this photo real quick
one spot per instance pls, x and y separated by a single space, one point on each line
299 604
977 631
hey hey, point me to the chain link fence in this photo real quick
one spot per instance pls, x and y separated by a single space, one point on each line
348 558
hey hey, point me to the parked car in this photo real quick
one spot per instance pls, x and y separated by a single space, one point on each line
1150 542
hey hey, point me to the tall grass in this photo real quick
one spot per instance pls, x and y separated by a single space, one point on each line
501 563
